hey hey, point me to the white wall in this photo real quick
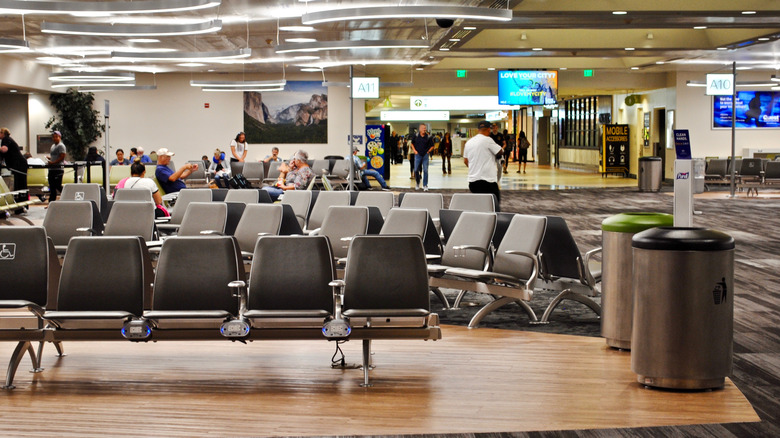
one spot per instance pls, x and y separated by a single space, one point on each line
694 112
14 117
174 116
39 111
634 116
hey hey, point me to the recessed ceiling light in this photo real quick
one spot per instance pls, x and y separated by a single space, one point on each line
537 49
455 39
419 68
763 39
699 27
491 68
723 48
660 62
619 12
634 68
191 64
306 57
563 68
406 12
143 40
748 12
300 40
297 28
630 48
311 69
12 91
469 27
444 49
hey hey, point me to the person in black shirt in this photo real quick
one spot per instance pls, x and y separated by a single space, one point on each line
14 160
423 146
498 138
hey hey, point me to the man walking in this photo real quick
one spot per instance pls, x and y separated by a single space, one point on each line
423 146
479 155
56 159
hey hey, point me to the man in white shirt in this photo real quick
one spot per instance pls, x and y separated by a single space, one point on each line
480 154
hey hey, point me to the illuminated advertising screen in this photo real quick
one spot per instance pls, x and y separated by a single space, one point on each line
517 87
755 109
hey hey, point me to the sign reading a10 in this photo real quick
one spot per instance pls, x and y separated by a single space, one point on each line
720 84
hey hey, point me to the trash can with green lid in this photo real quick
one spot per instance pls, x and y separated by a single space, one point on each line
650 174
616 292
683 307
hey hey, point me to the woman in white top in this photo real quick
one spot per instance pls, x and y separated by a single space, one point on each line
138 180
238 148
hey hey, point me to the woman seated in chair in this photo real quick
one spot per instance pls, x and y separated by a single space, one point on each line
293 176
220 170
138 180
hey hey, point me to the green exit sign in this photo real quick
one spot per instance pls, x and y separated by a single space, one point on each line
461 73
587 73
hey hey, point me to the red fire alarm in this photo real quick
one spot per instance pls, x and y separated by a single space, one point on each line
206 105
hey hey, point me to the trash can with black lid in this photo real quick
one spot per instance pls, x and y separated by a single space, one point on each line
616 293
683 281
650 174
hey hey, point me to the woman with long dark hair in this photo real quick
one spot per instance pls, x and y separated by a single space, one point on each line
445 147
523 145
238 148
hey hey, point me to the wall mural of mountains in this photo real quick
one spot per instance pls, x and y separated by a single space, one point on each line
299 114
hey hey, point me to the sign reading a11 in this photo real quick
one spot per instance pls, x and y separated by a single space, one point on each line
720 85
365 88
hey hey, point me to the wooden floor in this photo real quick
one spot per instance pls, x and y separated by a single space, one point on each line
483 380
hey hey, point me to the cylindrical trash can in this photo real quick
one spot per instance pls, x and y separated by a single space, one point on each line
683 285
650 173
616 294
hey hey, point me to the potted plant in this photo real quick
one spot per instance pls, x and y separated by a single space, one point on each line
75 118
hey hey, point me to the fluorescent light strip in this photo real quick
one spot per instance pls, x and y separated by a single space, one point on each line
259 90
95 84
297 28
29 7
13 45
329 64
133 30
238 84
349 45
92 77
405 12
99 89
183 56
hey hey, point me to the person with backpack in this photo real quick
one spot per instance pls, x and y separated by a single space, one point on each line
523 145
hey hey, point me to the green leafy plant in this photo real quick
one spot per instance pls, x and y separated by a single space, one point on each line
77 120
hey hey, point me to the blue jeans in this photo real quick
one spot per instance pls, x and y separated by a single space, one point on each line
275 192
375 174
421 166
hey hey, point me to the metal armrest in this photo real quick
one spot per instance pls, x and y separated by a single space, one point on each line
338 297
586 276
239 292
91 231
529 283
314 232
212 233
485 251
162 220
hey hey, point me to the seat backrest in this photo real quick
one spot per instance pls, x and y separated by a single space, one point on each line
185 197
144 195
131 218
300 201
736 164
64 217
235 210
117 173
219 195
503 221
340 169
473 228
290 224
263 197
203 216
325 200
402 284
273 170
95 175
433 202
236 167
291 273
151 169
559 250
29 268
82 192
344 222
253 171
247 196
525 233
384 201
406 221
320 167
198 174
484 202
751 167
772 170
717 167
258 218
215 260
105 274
449 218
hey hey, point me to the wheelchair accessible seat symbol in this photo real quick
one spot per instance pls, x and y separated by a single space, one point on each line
7 251
79 196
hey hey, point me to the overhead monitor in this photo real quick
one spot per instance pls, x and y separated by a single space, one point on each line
755 109
523 87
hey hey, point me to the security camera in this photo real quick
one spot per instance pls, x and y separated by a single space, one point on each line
445 23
